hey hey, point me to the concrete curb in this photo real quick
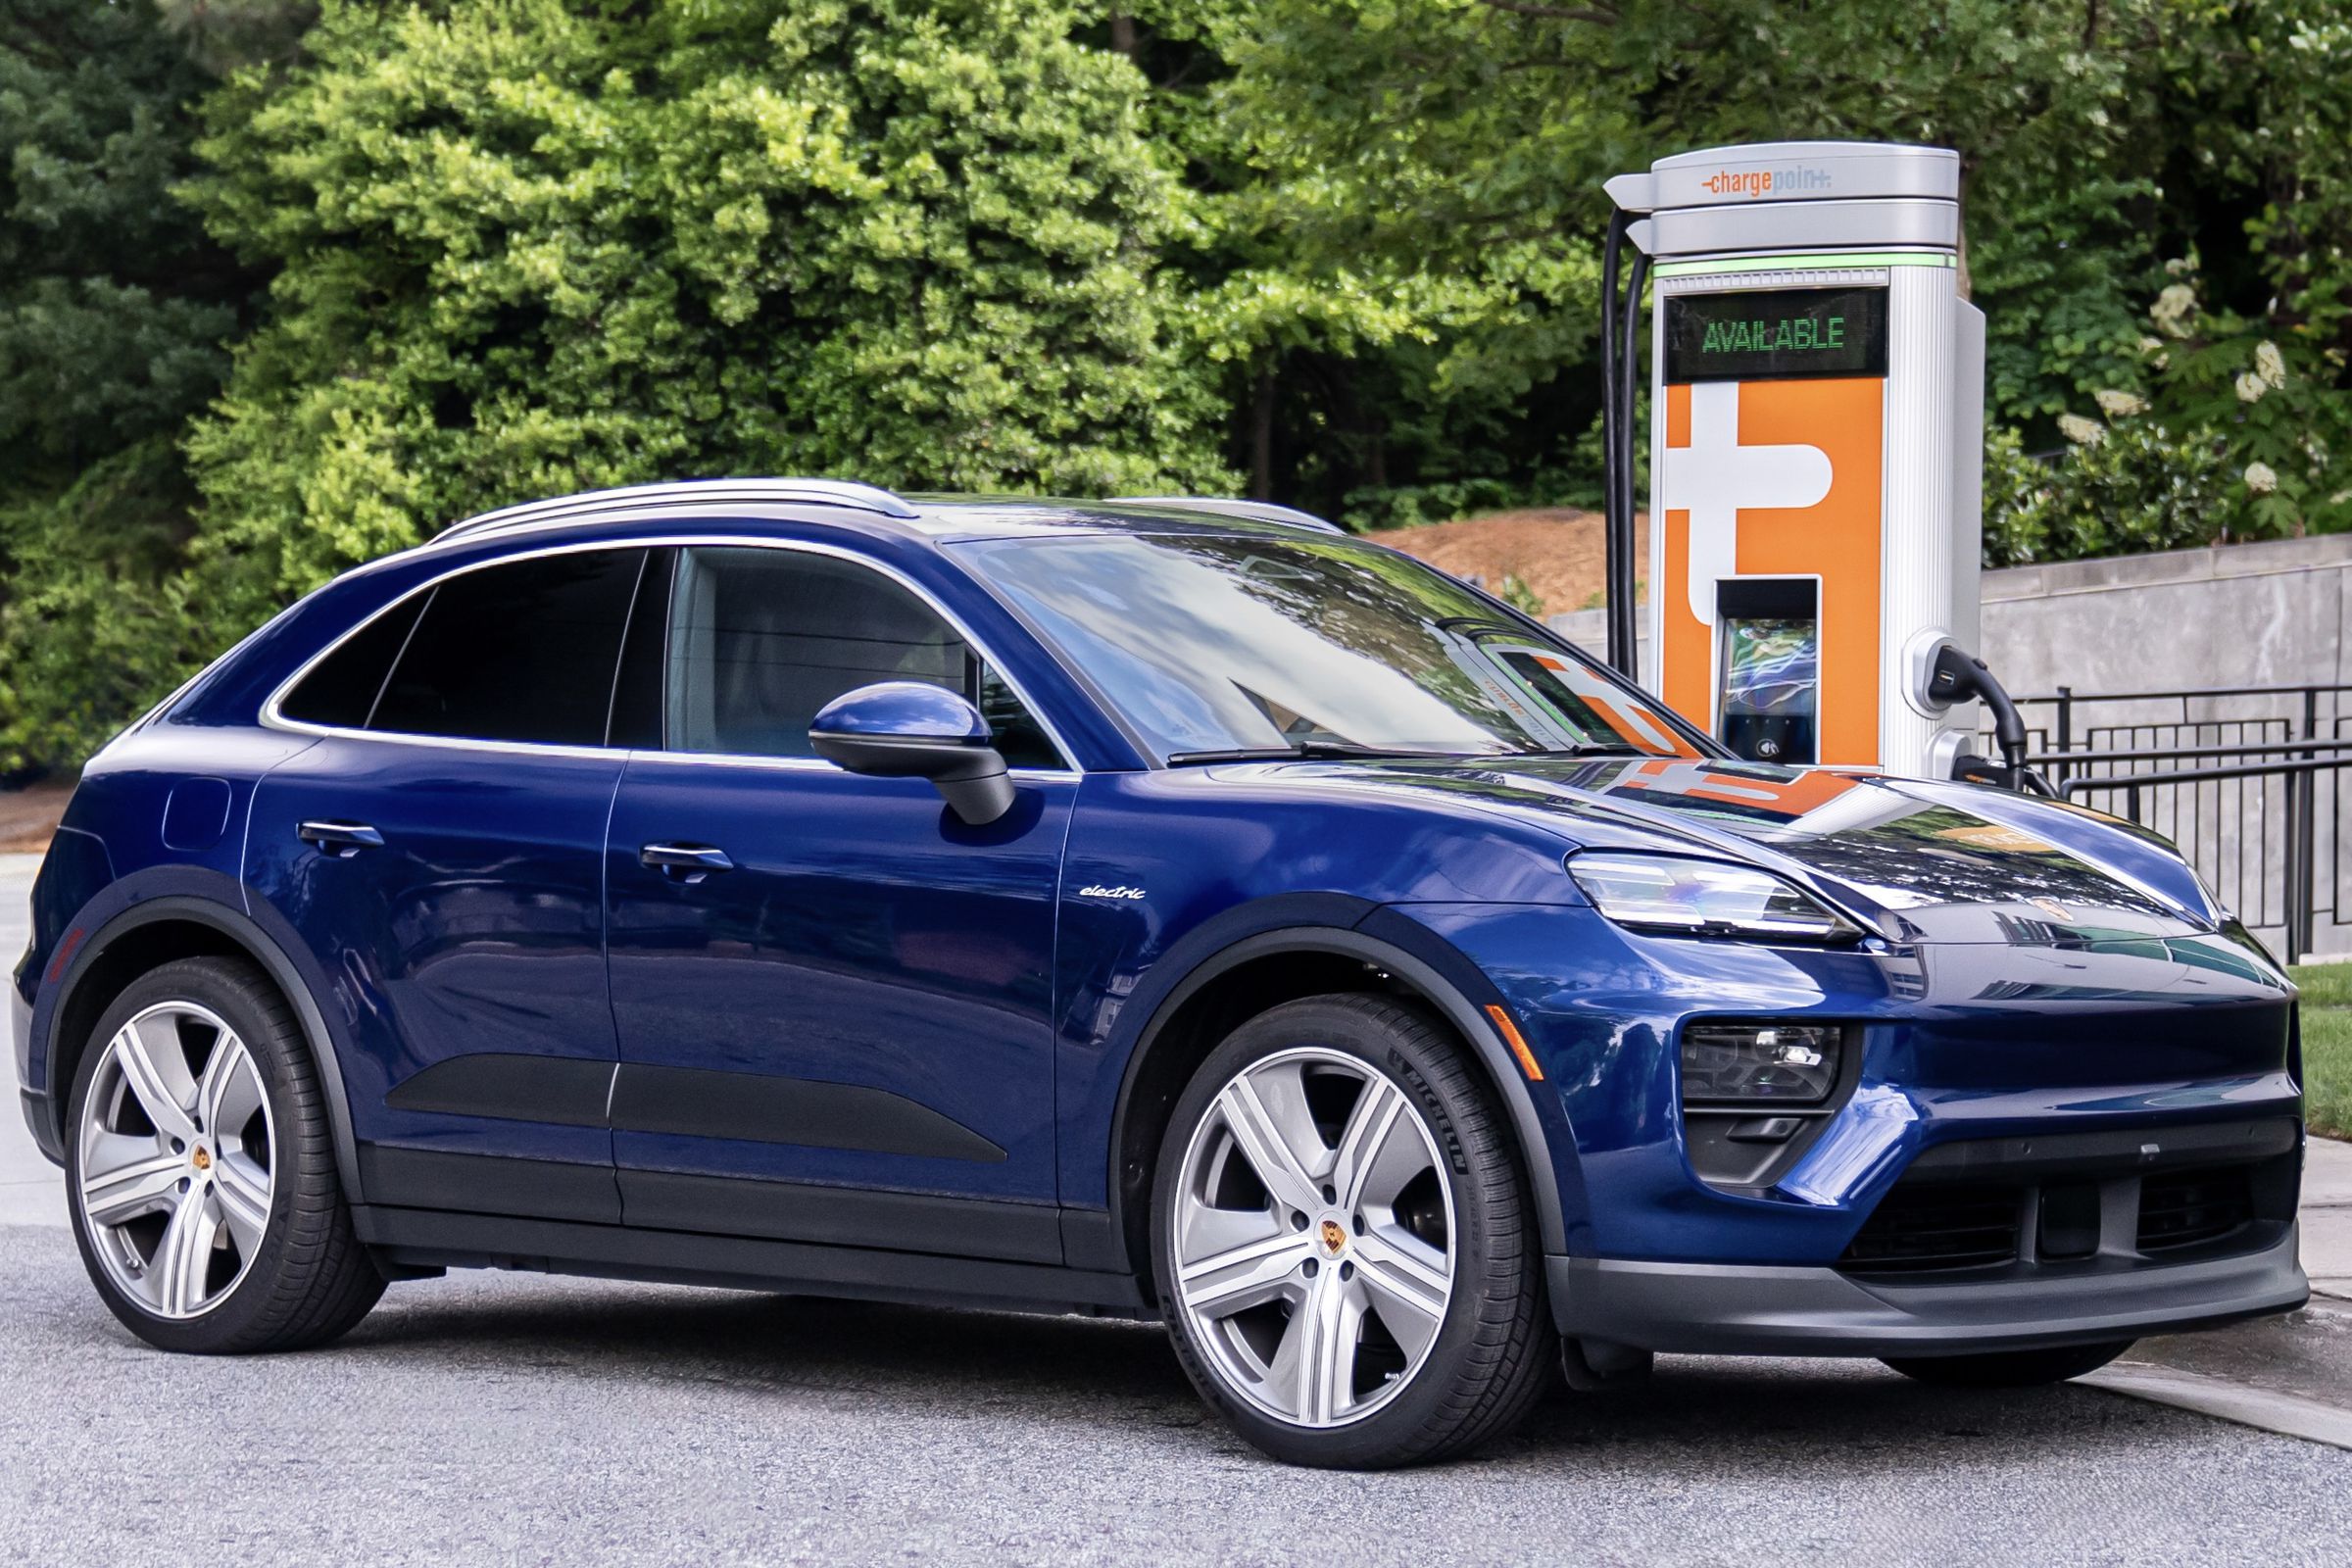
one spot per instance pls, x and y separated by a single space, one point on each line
2326 1217
2288 1414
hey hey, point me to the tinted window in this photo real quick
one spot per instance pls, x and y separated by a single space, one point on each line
342 688
637 693
523 652
760 639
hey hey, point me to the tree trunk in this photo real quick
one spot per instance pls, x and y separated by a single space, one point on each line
1261 435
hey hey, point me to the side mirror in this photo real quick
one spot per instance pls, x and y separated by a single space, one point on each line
905 729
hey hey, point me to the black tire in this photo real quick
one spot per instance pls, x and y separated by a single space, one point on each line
2009 1369
1495 1353
309 1280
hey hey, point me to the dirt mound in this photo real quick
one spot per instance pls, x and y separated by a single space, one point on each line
28 816
1556 551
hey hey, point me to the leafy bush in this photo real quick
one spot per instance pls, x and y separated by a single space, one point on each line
2125 487
533 246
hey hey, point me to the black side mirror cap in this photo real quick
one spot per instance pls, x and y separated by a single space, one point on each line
905 729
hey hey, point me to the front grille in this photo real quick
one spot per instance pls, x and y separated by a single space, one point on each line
2184 1208
1937 1226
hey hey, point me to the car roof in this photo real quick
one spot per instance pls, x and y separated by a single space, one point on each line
870 510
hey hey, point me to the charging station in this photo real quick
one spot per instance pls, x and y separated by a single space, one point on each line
1816 388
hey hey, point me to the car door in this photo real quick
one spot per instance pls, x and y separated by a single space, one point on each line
441 850
833 996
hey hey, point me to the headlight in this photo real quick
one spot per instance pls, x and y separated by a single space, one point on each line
1704 898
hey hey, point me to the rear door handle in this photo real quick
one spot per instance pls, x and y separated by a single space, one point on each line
341 840
687 862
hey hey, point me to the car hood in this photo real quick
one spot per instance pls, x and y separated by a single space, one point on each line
1914 859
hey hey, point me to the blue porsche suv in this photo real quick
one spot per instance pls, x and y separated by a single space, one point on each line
1168 909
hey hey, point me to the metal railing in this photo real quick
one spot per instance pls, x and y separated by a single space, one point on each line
2247 780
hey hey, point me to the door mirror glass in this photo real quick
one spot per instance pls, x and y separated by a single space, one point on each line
907 729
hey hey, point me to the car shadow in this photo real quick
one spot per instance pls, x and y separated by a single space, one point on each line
1754 1416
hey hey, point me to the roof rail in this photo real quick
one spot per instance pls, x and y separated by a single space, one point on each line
1250 511
821 492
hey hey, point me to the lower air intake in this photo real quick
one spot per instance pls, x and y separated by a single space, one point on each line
2187 1208
1940 1226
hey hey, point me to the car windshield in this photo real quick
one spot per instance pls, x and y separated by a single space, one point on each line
1213 646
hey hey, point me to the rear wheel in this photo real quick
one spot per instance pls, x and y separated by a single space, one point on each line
200 1169
2009 1369
1343 1240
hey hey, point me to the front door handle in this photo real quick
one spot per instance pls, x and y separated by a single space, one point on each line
687 862
340 839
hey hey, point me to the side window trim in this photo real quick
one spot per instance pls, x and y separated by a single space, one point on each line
620 655
385 684
271 718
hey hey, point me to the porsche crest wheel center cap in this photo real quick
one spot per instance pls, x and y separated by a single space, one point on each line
1335 1239
201 1160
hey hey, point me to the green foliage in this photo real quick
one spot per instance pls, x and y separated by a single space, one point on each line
2327 1046
2129 486
436 255
1411 505
114 308
527 247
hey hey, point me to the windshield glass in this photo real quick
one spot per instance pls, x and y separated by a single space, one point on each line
1213 645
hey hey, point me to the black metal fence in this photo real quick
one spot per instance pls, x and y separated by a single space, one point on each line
2248 780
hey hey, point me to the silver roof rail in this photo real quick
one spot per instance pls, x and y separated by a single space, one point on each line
1249 511
821 492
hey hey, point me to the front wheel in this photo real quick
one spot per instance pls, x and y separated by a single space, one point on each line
1343 1244
2009 1369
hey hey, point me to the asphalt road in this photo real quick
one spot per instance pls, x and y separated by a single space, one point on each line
489 1417
513 1418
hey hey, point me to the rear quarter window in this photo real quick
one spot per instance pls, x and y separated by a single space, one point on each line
525 651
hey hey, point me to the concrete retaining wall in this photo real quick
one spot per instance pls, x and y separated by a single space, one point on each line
2273 613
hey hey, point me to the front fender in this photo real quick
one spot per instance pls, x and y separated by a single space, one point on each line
1377 936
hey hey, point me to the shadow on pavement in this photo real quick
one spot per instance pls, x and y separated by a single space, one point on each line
1755 1414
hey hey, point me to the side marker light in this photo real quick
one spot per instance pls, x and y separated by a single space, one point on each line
1517 1041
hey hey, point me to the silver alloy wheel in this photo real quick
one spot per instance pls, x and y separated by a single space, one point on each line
176 1164
1313 1236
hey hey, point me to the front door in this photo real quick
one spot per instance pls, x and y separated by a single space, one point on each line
834 997
440 849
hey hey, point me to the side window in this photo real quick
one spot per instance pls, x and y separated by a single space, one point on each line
341 689
522 652
760 639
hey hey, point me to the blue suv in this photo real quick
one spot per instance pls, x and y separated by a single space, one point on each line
1164 909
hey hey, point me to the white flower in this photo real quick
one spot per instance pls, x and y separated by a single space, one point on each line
2080 432
2270 364
2251 387
2178 265
2151 345
2120 405
2261 478
2172 308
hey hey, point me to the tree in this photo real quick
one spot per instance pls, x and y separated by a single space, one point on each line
115 308
1460 145
526 247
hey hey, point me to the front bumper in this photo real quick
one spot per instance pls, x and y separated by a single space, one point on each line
1741 1310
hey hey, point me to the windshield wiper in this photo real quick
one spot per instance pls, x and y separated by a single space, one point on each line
1310 751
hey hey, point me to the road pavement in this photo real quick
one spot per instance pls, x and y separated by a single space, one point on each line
507 1419
489 1417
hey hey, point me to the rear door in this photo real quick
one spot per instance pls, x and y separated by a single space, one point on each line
839 1027
440 850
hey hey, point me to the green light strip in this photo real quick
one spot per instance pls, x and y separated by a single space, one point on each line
1826 262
